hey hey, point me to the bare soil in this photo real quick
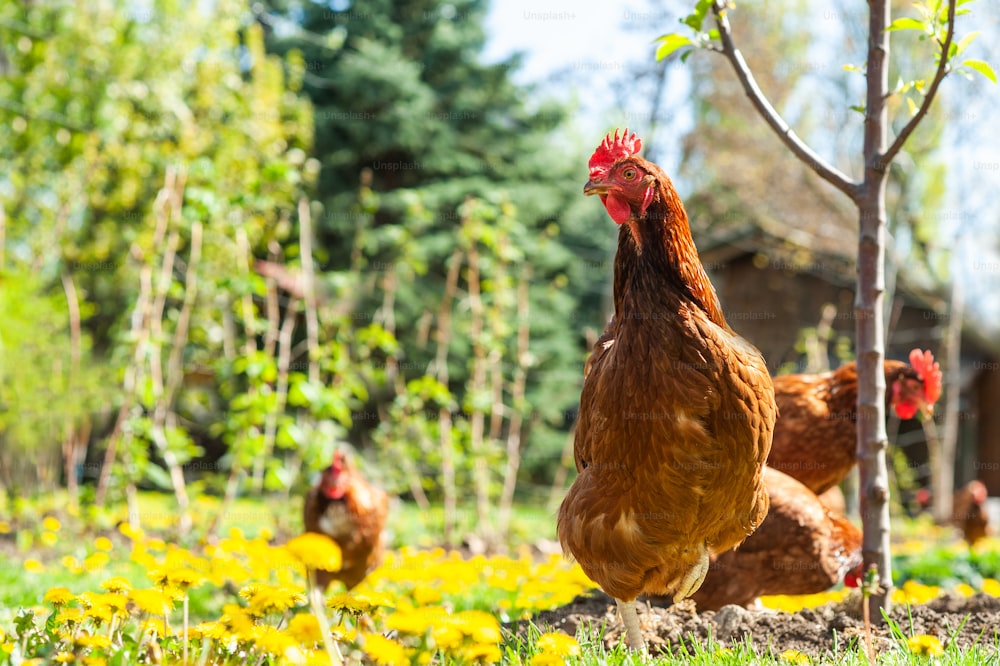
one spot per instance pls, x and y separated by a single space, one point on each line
828 630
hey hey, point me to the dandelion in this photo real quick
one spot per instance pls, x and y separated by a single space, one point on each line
263 599
152 601
95 661
94 642
49 539
991 586
96 561
71 564
794 657
31 565
127 531
57 596
384 650
273 640
358 603
965 589
104 544
304 627
925 645
558 643
315 551
64 657
51 524
481 627
69 616
116 585
4 527
155 626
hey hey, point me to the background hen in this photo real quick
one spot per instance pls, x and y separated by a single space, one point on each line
676 412
801 548
815 438
352 512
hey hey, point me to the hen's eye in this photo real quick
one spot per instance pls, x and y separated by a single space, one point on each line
628 174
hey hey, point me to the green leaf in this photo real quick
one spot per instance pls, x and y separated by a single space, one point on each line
670 43
981 67
964 42
695 19
907 24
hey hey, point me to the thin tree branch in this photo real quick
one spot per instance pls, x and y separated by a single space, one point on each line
826 171
942 71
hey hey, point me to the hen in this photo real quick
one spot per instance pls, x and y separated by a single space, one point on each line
801 548
968 510
676 411
352 512
815 438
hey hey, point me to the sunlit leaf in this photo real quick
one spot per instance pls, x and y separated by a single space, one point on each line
670 43
981 67
907 23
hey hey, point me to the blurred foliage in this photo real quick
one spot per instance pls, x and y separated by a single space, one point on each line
195 365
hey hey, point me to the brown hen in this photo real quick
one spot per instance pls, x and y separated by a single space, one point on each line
676 412
352 512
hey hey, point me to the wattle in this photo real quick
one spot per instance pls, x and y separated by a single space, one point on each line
905 410
618 208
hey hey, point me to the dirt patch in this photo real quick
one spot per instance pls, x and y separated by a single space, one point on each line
818 632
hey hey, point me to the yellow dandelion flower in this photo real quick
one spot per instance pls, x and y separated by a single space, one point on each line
265 534
274 641
160 577
214 630
152 601
481 627
411 621
69 616
384 650
304 627
64 657
991 586
965 589
97 561
425 594
71 564
117 585
185 578
4 527
547 659
922 644
3 635
31 565
263 598
237 621
794 657
58 596
315 551
103 543
128 532
481 653
100 614
156 545
96 641
559 643
49 539
51 524
95 661
359 603
155 626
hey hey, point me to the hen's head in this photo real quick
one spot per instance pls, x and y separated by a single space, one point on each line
622 180
336 478
917 391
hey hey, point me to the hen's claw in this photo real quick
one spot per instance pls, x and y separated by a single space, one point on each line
693 579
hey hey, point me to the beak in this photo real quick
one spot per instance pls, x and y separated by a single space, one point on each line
595 188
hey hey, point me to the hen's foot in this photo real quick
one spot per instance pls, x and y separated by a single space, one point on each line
693 579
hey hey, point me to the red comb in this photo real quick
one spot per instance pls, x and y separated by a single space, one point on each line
612 149
929 372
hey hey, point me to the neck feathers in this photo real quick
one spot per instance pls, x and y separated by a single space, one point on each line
656 253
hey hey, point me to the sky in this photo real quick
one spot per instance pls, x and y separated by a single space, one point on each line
577 50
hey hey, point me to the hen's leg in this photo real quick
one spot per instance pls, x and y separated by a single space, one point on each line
631 621
694 578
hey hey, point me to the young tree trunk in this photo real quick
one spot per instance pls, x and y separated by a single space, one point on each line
869 312
943 474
